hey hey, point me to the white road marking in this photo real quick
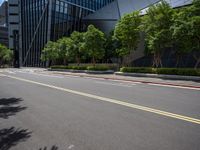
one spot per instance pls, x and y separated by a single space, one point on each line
39 74
114 101
115 84
71 146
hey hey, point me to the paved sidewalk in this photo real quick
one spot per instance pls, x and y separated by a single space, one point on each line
134 79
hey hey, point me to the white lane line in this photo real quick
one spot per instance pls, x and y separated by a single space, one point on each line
38 74
180 87
114 101
115 84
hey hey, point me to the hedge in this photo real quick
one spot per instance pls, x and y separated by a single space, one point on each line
98 68
70 67
92 68
166 71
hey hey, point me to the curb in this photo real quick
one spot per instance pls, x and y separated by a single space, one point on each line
128 80
173 77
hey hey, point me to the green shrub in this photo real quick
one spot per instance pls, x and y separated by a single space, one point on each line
70 67
167 71
92 68
98 68
78 67
59 67
136 70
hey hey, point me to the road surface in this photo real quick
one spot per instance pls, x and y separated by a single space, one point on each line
41 109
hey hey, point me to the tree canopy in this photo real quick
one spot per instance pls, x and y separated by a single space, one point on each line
127 31
50 52
94 43
76 50
6 55
157 24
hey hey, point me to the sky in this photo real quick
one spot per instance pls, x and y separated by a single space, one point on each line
1 1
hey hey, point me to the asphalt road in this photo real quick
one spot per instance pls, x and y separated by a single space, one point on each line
39 110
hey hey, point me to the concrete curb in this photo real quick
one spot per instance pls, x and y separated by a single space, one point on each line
172 77
129 80
83 71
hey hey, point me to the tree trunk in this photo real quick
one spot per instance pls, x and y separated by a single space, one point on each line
197 63
157 61
93 61
78 60
65 61
178 57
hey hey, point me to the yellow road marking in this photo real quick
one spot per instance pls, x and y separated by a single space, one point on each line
114 101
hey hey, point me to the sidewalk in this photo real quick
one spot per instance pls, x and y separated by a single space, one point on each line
147 80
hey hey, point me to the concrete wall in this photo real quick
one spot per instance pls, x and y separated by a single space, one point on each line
127 6
13 20
4 14
4 35
105 18
13 30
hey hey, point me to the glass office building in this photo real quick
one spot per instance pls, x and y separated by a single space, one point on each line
44 20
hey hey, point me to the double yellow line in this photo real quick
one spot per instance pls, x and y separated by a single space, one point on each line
114 101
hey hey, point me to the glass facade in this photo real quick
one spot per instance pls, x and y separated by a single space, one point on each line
43 20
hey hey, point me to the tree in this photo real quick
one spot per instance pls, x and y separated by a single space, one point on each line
63 49
6 55
181 33
186 31
76 50
127 31
94 43
110 47
50 52
194 19
157 25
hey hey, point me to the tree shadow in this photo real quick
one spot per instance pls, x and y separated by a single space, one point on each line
9 107
11 137
52 148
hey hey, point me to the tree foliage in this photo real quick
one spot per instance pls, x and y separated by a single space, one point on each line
110 47
186 31
127 31
50 52
94 43
63 49
157 25
6 55
76 50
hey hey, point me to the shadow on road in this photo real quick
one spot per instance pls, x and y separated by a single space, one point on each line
52 148
9 107
11 137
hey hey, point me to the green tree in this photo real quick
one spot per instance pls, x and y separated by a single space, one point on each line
110 47
94 43
127 31
63 49
76 49
50 52
181 33
194 19
157 25
6 55
186 31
